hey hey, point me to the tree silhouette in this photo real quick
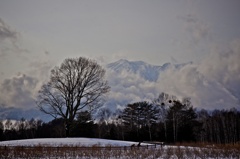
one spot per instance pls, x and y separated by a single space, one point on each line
76 85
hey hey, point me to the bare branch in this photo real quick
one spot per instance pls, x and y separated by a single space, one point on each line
76 84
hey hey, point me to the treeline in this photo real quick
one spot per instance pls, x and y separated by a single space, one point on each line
165 119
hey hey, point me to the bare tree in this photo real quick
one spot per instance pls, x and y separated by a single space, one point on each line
76 85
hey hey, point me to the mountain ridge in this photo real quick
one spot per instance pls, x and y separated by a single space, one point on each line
145 70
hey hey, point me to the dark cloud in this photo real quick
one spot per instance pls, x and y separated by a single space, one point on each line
6 32
189 18
46 53
10 43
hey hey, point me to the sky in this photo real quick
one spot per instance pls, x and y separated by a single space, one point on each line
35 36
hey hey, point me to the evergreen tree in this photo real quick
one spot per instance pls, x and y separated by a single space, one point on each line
137 117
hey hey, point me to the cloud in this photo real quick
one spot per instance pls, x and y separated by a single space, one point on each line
19 91
223 66
10 43
40 69
128 88
6 32
46 53
173 60
211 84
198 29
189 82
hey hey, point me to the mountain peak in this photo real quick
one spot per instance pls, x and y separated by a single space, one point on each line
126 62
145 70
122 61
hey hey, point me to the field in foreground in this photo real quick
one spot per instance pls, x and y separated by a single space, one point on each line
66 148
56 142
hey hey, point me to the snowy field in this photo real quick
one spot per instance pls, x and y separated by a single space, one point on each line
90 148
54 142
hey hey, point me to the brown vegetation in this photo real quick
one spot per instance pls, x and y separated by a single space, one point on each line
96 151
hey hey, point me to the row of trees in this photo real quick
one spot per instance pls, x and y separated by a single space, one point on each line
177 121
165 119
219 126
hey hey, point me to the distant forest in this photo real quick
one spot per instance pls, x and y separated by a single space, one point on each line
165 119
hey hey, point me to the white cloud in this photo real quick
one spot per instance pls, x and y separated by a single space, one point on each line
223 66
189 82
128 88
213 84
19 91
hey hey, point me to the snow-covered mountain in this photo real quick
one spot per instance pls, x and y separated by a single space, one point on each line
147 71
134 81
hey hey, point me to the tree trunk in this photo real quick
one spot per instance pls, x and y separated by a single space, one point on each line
67 130
165 129
150 134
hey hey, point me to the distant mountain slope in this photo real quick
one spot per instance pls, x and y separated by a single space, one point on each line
18 113
147 71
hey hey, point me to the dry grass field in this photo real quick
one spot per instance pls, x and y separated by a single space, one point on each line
178 151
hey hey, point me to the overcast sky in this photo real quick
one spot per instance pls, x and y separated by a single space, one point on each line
37 35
